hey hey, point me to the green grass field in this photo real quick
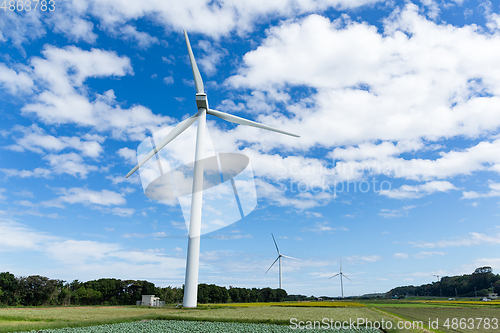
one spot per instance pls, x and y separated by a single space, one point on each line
429 303
478 319
176 326
321 304
397 311
25 319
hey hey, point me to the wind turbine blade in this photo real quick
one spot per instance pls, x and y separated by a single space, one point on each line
334 276
243 121
271 265
291 258
198 82
276 245
178 129
346 277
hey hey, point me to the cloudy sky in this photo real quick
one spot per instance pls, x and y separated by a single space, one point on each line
396 170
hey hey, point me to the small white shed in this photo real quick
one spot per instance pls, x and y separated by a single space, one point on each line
150 300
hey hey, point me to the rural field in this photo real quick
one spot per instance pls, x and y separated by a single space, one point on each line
178 326
256 317
38 318
446 316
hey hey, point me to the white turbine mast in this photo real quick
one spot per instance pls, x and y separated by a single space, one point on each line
341 276
193 252
436 276
279 259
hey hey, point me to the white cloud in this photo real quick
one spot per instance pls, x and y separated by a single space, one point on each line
409 95
218 20
35 139
15 82
84 259
398 94
169 60
418 191
15 236
391 213
3 190
369 150
324 226
129 155
417 85
123 212
432 7
20 28
71 251
492 262
427 254
230 237
70 19
304 200
143 40
492 18
211 58
494 192
61 75
370 258
70 163
474 238
168 79
155 235
77 195
400 256
36 173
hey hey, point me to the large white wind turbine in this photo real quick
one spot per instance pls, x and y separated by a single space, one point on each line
193 252
341 276
279 259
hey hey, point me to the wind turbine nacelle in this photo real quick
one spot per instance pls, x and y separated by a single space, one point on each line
202 101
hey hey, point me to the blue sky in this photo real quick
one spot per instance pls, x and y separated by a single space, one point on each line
396 170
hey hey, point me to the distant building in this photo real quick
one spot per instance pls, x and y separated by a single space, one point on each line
150 300
493 296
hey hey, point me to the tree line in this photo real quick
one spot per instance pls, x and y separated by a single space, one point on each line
480 283
38 290
215 294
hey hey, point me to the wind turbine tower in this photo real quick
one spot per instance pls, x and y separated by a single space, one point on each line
193 252
341 276
279 259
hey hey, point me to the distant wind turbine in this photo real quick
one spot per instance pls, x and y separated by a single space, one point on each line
341 275
279 259
436 276
193 252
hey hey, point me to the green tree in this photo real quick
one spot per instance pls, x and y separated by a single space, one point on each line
203 293
36 290
268 295
280 295
234 294
9 285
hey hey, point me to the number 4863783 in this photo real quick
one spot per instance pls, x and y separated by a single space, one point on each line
28 5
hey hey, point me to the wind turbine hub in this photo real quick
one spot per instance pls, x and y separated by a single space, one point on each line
202 101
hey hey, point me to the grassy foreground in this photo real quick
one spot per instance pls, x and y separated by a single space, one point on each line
480 319
26 319
176 326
